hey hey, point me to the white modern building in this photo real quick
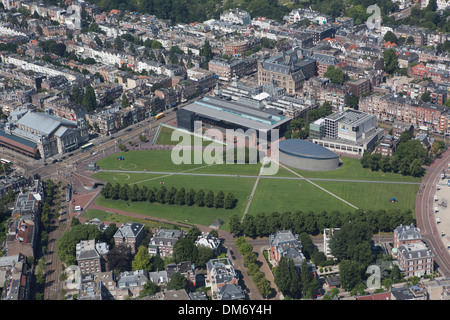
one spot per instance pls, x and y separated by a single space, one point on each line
350 131
236 16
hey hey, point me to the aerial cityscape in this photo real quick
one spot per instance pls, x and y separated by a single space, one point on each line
228 150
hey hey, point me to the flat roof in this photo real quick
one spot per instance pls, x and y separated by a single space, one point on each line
305 149
221 110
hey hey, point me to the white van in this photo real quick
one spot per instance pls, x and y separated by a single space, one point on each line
438 220
436 210
77 208
435 198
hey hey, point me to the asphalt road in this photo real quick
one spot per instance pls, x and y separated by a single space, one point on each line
425 215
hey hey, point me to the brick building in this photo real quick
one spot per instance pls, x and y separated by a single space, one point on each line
130 234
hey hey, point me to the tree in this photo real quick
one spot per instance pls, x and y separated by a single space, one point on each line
353 242
389 36
209 199
204 255
185 250
219 200
66 246
390 61
125 102
426 96
149 289
416 168
89 99
180 197
200 198
190 197
124 192
350 274
77 95
206 51
235 225
141 259
118 44
336 75
431 6
193 233
161 195
230 201
286 278
177 282
120 258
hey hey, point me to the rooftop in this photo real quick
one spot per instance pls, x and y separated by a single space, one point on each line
306 149
236 113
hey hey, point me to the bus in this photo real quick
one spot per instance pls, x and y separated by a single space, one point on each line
69 193
159 115
4 161
87 146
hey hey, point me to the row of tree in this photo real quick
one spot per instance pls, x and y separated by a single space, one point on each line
169 195
253 266
313 223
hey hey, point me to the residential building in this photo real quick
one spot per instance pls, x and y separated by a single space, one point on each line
387 146
132 281
129 234
323 61
186 268
91 256
415 259
227 70
236 49
220 272
359 87
209 242
396 108
285 244
15 278
163 241
236 16
408 293
405 235
205 79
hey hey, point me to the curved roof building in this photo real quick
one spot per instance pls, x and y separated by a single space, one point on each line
305 155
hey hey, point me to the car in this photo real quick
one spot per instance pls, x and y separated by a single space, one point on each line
54 161
233 257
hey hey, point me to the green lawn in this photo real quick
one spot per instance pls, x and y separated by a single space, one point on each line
292 195
374 196
165 138
271 194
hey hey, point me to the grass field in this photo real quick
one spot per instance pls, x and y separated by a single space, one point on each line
272 194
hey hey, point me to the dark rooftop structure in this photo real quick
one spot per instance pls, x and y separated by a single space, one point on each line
306 149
